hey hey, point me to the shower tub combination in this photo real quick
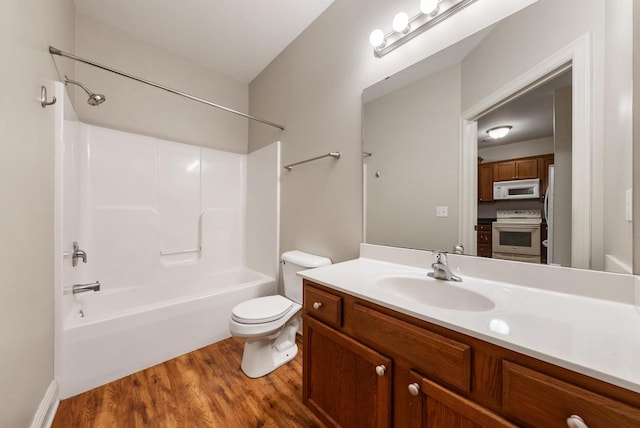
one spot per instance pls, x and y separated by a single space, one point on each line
169 244
112 334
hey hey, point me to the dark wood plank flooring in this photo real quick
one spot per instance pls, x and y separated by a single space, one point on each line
204 388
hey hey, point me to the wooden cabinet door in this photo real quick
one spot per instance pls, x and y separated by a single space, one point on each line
345 383
504 171
434 406
516 169
526 169
485 183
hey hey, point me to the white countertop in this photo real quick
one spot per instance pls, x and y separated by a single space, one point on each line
594 336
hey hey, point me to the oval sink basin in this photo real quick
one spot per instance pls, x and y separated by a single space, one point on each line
433 292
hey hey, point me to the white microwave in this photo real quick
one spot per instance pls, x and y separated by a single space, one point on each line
517 189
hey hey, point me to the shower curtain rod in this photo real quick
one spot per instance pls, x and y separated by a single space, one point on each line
55 51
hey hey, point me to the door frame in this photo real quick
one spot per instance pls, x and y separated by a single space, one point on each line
578 54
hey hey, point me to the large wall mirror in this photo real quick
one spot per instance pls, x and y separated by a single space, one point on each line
554 189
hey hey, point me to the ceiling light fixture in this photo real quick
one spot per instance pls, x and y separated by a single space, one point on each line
499 132
431 13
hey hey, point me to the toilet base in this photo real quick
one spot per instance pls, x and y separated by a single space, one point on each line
262 355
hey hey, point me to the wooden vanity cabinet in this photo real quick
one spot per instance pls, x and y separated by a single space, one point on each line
435 377
345 383
432 405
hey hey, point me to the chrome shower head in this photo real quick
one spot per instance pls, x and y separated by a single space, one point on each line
94 99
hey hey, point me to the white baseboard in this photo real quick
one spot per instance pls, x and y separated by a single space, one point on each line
47 408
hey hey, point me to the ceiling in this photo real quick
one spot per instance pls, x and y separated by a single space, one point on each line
530 115
237 38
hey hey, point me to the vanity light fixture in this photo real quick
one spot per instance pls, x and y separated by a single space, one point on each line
431 13
499 132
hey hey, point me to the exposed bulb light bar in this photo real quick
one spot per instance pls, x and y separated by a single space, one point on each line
499 132
401 22
377 38
429 7
431 13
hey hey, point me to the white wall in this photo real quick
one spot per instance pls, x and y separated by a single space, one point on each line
26 189
413 136
142 109
314 89
521 149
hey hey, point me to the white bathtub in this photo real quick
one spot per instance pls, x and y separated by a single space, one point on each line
114 333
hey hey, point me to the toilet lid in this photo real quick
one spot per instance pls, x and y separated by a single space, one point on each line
261 310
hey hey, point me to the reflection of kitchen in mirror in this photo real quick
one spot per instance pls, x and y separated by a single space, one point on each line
524 175
423 127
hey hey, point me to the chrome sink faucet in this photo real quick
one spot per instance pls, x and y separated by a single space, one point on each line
441 269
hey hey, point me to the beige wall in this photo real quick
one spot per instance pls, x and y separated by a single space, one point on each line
413 136
618 131
26 218
314 88
142 109
636 143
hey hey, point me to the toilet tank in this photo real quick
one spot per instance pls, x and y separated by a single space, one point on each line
295 261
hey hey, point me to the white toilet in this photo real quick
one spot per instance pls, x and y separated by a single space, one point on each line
270 323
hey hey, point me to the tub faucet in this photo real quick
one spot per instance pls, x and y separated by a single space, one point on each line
81 288
441 269
77 254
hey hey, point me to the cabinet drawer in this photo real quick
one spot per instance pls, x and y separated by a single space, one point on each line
322 305
536 399
484 250
436 356
484 237
483 228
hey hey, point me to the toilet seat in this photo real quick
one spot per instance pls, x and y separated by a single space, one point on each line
261 310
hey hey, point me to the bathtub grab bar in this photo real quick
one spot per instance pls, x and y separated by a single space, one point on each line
191 250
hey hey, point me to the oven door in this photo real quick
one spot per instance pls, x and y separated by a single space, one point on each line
516 239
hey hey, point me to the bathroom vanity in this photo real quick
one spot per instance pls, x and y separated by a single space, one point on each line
378 351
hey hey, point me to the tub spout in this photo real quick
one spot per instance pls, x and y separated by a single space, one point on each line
81 288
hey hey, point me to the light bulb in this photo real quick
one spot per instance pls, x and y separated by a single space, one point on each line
429 7
401 22
376 38
499 131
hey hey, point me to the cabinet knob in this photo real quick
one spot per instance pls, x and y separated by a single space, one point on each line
317 305
381 369
414 389
575 421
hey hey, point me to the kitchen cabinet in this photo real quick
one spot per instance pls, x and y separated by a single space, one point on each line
379 367
485 182
517 169
484 235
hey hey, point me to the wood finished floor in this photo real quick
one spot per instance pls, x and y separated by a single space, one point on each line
204 388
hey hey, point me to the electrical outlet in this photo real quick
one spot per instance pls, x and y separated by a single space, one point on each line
442 211
629 204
